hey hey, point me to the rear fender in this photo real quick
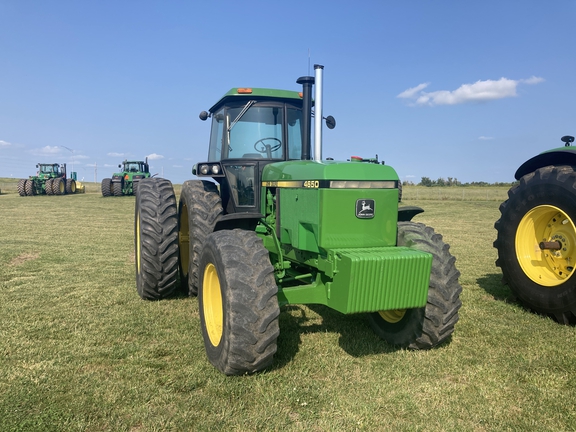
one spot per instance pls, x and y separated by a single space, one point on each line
559 156
406 213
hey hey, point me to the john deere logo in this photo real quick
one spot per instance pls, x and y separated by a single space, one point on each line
365 208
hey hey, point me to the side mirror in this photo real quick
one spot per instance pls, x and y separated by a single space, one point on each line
567 140
204 115
330 122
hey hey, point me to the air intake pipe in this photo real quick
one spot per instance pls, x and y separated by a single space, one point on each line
318 70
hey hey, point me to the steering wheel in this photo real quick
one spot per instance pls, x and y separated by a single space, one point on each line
267 148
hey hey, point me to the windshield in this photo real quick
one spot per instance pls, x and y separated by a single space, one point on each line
254 131
132 167
48 169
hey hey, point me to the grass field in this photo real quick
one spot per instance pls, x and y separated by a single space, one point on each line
79 350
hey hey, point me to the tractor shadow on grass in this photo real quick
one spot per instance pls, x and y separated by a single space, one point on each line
495 287
355 336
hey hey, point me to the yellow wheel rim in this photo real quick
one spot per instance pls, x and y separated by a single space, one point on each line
138 243
546 267
392 316
212 304
184 240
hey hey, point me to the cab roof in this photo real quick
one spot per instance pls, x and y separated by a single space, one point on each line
249 93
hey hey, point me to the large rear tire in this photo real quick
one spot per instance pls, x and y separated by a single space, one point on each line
106 187
22 187
427 327
200 205
156 239
238 302
70 186
541 208
48 187
117 188
58 186
29 186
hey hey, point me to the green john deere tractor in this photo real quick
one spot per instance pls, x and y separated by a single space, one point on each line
536 235
280 227
126 182
49 180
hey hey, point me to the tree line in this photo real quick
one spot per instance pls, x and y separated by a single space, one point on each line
450 181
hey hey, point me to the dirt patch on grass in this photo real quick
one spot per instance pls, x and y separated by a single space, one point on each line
22 258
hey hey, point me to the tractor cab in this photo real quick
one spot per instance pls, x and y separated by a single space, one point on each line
251 127
50 170
134 166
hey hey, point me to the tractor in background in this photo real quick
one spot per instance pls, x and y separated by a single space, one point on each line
536 234
49 180
126 182
268 224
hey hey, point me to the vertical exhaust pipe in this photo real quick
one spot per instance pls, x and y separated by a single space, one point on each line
306 82
318 72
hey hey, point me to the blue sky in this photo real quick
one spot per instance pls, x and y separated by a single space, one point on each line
461 89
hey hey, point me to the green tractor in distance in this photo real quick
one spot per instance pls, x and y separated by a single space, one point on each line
49 180
536 234
126 182
282 228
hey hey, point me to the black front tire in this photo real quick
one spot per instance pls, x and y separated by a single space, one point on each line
430 326
22 187
541 208
156 239
199 207
106 187
238 302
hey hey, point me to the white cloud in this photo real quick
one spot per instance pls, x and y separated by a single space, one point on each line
177 166
485 138
411 92
116 154
155 156
533 80
46 151
480 91
4 143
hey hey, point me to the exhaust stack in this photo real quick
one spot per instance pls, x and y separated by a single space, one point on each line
306 82
318 71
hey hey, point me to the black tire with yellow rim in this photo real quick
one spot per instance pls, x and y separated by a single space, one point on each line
58 186
156 239
238 302
431 325
536 242
199 207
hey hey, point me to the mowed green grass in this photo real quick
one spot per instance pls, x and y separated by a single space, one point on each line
80 351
